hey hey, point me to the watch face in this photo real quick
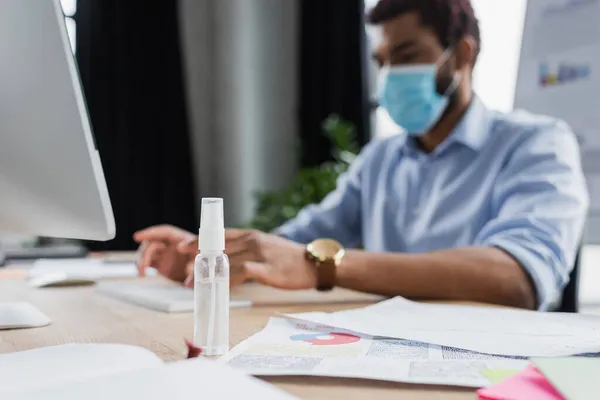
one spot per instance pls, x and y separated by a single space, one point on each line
324 249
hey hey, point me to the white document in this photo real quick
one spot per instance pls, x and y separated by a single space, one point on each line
33 369
161 296
287 347
88 268
100 372
483 329
18 315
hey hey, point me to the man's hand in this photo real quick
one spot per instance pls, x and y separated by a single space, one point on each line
269 259
168 249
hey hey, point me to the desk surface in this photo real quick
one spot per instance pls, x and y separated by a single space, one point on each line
80 315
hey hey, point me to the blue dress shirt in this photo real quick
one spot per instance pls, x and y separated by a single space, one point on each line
512 181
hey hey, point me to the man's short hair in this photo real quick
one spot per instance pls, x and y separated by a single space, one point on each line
451 20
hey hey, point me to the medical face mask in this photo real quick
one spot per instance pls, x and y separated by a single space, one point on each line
409 95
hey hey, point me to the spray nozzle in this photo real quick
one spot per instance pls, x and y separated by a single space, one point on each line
211 236
211 215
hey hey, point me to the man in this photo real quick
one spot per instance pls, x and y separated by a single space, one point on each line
467 204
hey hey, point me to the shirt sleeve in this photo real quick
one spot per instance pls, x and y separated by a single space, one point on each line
540 203
339 215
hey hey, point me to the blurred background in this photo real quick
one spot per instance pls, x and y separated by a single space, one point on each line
266 102
261 102
231 98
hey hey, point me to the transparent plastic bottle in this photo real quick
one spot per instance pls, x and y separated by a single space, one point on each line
211 282
211 297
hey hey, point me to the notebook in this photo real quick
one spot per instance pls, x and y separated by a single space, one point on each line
160 296
113 371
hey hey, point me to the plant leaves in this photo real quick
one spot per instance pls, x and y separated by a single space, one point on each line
310 185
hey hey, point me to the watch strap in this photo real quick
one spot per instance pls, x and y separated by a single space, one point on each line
326 273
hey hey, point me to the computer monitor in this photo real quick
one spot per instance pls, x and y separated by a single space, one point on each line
51 179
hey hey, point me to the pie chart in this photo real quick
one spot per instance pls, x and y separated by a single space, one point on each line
325 338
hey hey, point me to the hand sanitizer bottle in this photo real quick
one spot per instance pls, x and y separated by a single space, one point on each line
211 282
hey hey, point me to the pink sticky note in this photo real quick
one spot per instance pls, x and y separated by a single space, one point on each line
529 384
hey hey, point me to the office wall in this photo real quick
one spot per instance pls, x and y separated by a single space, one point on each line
240 59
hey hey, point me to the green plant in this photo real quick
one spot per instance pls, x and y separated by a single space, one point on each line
310 185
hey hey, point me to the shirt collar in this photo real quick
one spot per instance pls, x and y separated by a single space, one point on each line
471 131
474 127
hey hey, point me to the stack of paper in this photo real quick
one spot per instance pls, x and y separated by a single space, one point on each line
403 341
288 347
501 331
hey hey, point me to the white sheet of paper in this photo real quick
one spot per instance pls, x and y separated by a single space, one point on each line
122 372
288 347
88 268
160 296
55 365
17 315
483 329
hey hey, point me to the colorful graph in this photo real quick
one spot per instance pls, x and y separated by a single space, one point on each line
325 338
564 73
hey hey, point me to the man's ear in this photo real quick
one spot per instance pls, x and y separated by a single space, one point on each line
466 53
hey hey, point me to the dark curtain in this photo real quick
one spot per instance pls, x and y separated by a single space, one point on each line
131 70
333 72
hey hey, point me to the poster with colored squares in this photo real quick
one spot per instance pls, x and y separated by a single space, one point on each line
558 75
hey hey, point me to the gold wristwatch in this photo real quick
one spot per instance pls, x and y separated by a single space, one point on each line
327 255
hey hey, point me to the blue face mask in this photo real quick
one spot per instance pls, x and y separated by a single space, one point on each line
409 95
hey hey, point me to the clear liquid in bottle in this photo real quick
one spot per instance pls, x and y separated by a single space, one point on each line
211 303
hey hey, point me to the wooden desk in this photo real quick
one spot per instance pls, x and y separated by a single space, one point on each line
80 315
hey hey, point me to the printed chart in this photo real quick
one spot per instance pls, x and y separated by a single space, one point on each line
325 338
288 347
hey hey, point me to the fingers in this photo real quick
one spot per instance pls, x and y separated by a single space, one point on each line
188 246
239 260
138 259
152 233
235 239
172 234
240 246
189 270
148 253
235 234
163 233
261 272
237 276
189 281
